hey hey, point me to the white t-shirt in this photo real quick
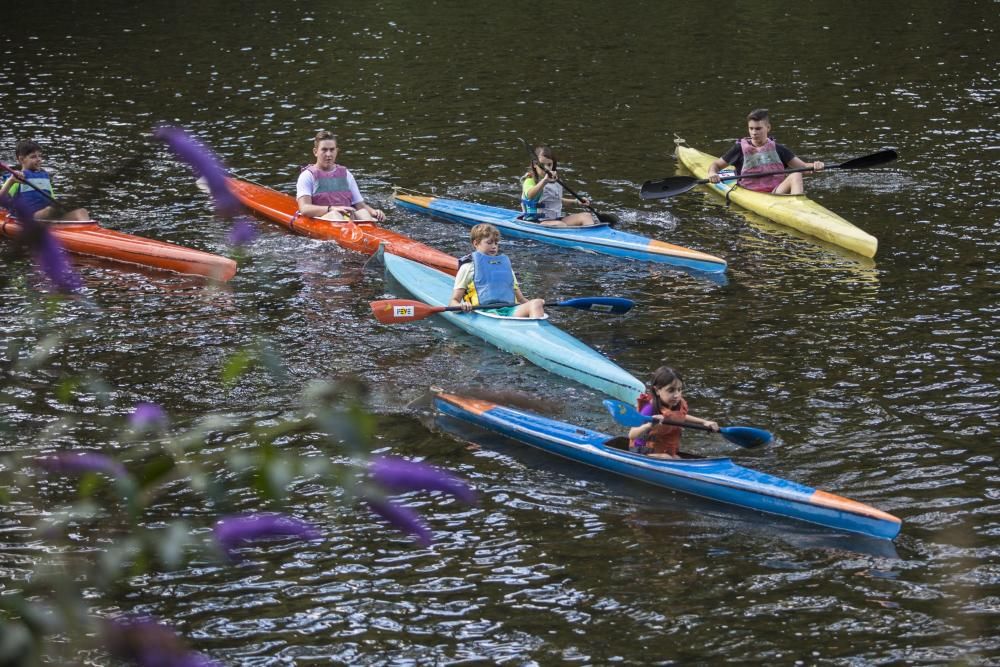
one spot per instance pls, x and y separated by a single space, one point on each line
306 185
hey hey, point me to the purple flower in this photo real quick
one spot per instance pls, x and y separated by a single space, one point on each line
399 475
146 416
204 163
80 463
232 532
147 642
402 517
243 233
46 250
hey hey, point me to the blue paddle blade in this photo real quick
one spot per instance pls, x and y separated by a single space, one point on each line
599 304
746 436
625 414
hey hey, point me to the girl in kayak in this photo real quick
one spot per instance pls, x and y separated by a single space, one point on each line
542 194
665 401
328 190
32 186
485 277
759 153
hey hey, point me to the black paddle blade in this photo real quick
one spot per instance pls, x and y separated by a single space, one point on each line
668 187
609 219
866 161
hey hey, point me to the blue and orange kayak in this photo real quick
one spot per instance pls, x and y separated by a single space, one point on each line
717 479
598 238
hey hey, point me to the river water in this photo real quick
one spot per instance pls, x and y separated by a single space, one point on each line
879 377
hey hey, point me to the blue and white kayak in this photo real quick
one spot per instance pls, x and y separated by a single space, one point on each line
537 340
599 238
717 479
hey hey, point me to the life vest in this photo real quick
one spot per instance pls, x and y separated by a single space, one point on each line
492 279
332 187
548 205
761 161
29 196
662 438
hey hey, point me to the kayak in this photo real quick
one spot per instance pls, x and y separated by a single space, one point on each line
537 340
795 211
717 479
363 237
89 238
599 238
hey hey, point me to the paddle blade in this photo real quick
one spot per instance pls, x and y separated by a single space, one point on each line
872 160
599 304
746 436
668 187
397 311
625 414
609 219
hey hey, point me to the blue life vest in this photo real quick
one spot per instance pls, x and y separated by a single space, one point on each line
493 279
29 196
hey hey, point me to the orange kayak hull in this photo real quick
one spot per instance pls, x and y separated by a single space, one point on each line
89 238
363 237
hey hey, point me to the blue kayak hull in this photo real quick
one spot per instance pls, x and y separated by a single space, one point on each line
717 479
537 340
598 238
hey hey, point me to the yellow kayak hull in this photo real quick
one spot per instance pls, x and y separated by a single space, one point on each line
795 211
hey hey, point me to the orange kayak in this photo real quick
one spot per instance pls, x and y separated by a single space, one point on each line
89 238
364 237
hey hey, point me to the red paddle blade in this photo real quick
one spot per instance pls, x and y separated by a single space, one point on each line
397 311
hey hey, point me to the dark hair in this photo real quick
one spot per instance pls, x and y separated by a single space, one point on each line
323 135
26 147
759 115
544 151
663 376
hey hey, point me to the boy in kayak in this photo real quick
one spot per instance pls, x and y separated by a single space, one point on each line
665 401
32 186
542 194
485 277
761 154
328 190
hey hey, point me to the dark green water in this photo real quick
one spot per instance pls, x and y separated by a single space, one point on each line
878 376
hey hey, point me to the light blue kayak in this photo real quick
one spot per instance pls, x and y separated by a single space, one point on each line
717 479
537 340
599 238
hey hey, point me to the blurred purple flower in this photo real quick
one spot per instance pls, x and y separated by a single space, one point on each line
399 475
204 163
243 233
80 463
145 641
46 250
402 517
146 416
232 532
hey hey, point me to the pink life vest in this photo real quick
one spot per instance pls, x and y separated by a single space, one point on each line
760 161
332 187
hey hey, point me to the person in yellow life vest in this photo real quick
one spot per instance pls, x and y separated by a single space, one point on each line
485 276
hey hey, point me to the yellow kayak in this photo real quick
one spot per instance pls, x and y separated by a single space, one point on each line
795 211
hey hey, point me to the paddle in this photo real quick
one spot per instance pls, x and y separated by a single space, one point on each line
606 218
396 311
676 185
744 436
